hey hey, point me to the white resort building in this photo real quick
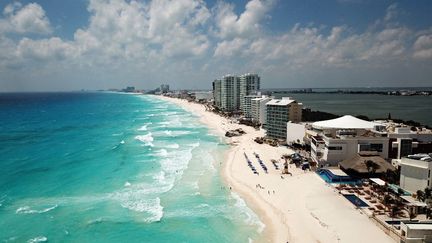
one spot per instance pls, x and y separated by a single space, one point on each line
416 172
278 113
258 109
247 105
343 138
416 232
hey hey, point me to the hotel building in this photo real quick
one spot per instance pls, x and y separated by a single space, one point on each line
416 172
249 85
345 137
258 109
217 92
229 92
247 105
278 113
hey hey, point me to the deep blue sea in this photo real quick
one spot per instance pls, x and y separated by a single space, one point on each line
110 167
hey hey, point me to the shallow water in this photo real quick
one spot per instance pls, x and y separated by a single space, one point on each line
106 167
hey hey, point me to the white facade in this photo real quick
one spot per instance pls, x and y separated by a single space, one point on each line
204 95
416 232
249 85
415 174
229 92
343 138
295 133
331 150
258 109
247 105
278 113
405 132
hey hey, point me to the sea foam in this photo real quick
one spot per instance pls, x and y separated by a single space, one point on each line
146 139
38 239
28 210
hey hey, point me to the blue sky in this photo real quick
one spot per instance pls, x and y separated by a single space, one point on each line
99 44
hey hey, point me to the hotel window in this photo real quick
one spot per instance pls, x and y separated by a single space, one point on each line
376 147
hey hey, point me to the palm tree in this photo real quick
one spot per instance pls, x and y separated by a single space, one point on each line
400 192
371 166
395 210
387 200
411 214
428 213
285 157
427 193
420 195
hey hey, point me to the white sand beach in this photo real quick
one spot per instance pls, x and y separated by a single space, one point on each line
297 208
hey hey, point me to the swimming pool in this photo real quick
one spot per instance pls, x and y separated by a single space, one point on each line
355 200
329 177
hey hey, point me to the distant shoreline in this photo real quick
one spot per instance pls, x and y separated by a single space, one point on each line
427 92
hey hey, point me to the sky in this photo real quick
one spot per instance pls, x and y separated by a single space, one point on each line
51 45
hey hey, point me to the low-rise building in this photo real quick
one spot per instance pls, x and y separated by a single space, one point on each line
416 232
405 141
415 172
295 133
342 138
278 113
203 96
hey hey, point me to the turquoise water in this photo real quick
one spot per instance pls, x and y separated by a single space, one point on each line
106 167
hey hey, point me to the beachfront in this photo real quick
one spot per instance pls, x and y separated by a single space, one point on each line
295 208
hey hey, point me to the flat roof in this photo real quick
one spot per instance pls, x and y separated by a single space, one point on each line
419 226
337 172
281 102
413 201
378 181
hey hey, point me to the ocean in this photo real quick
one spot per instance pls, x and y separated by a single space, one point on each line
110 167
417 108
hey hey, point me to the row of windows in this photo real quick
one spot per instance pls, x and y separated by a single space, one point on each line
334 147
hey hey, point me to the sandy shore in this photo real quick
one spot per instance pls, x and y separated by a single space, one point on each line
297 208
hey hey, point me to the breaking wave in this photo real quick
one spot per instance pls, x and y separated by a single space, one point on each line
146 139
28 210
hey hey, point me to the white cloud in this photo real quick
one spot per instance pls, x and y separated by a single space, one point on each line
423 47
30 18
46 49
247 24
174 39
230 48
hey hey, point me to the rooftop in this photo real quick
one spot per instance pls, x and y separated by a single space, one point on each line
345 122
282 102
358 163
419 226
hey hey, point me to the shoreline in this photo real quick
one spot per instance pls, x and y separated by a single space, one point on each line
271 229
297 208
